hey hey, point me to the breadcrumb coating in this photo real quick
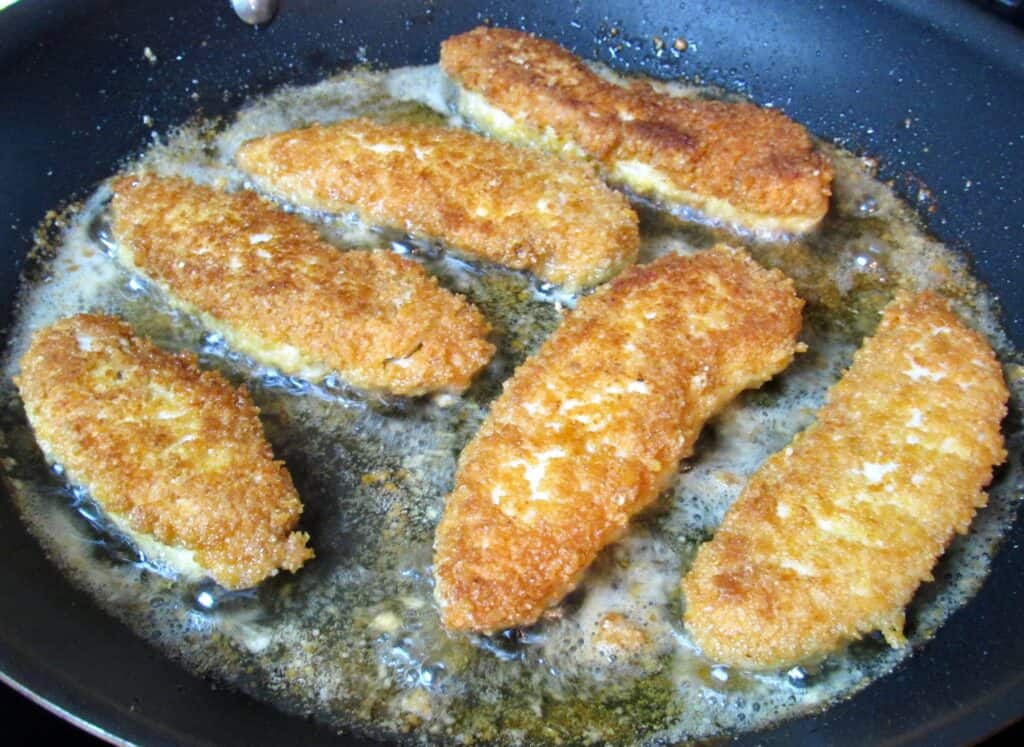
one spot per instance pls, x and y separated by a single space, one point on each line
276 291
592 428
508 205
833 535
736 163
171 453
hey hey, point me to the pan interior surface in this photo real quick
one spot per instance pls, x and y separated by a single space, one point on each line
152 714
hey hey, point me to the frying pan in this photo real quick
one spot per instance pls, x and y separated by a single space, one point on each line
934 90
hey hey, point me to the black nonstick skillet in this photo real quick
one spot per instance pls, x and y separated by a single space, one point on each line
934 90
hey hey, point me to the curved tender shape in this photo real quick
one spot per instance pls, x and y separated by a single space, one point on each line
508 205
735 163
175 456
592 428
833 535
277 292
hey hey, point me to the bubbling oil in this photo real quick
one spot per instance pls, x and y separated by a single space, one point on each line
354 638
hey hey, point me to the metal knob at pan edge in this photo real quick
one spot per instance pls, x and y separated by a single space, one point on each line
254 11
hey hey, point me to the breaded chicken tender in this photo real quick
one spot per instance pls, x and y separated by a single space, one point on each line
735 163
485 199
592 428
175 456
276 291
833 535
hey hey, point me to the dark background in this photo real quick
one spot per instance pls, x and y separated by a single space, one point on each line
1012 10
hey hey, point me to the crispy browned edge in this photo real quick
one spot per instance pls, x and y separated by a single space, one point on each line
477 195
845 555
377 319
495 571
755 159
95 413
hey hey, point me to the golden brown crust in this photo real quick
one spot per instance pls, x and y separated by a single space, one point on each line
508 205
590 429
762 165
833 535
281 294
170 450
